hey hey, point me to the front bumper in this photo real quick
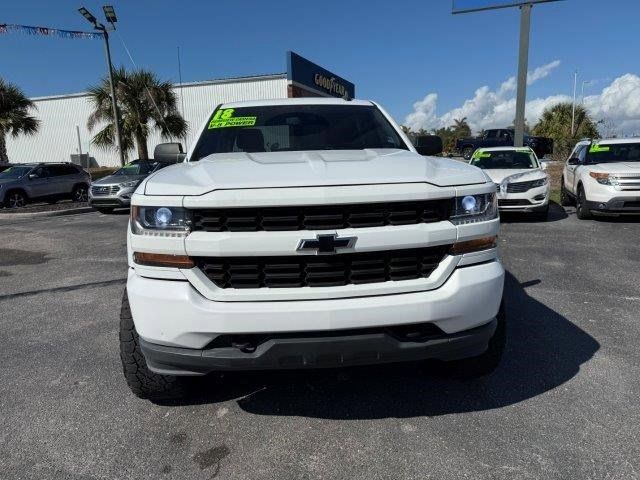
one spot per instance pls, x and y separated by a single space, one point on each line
319 351
121 199
531 201
170 313
618 205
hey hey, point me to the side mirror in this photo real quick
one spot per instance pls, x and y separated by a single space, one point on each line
169 152
32 176
573 161
428 144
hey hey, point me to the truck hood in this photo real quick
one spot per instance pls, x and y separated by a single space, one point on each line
520 174
241 170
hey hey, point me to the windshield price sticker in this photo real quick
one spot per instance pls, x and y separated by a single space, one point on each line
224 118
479 154
597 148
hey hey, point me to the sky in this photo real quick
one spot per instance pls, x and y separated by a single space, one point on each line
423 64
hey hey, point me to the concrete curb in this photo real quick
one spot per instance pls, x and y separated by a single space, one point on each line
52 213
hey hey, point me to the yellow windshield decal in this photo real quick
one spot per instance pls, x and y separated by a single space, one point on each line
478 154
224 118
597 148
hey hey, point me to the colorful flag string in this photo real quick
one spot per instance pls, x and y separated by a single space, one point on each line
29 30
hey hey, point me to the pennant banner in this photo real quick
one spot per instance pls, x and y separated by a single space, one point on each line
7 28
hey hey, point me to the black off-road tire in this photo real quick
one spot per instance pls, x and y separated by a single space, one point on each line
143 382
467 152
485 364
565 198
582 212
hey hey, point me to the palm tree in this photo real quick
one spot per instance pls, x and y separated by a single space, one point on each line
14 116
145 104
461 128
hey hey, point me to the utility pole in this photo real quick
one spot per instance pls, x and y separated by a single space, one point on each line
111 18
584 82
573 110
523 66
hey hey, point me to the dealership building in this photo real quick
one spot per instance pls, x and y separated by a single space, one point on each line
63 132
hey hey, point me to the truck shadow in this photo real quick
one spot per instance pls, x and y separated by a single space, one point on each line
544 350
556 213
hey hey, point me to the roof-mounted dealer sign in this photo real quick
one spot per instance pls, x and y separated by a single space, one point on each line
310 76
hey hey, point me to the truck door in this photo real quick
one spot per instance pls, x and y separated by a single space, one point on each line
491 138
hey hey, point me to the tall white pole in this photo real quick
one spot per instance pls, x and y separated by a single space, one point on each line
573 110
523 66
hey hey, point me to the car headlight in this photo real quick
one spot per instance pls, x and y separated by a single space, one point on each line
160 221
540 182
131 184
474 208
604 178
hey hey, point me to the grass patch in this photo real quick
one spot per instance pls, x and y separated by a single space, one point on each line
554 196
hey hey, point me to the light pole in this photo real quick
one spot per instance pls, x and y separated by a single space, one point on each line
584 82
573 109
110 15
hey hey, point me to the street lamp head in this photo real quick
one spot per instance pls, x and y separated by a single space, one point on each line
87 14
110 14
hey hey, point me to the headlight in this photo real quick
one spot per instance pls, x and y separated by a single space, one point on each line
539 183
160 221
131 184
474 208
604 178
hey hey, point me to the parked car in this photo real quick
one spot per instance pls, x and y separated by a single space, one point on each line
308 233
502 137
603 177
115 190
520 178
24 183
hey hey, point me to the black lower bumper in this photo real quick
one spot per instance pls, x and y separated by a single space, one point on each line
316 351
109 202
616 206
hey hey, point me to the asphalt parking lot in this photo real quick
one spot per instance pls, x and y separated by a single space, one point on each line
563 404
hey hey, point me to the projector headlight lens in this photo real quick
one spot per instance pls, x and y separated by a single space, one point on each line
160 221
474 208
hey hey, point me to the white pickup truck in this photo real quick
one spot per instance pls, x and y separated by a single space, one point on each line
309 233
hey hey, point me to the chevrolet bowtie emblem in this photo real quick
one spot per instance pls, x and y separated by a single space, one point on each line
324 244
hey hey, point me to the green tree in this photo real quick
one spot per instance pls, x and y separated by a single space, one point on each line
461 128
145 104
14 116
555 123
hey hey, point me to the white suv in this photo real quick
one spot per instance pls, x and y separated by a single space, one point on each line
309 233
603 177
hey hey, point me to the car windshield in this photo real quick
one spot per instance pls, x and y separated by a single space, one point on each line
137 168
15 172
285 128
616 152
504 159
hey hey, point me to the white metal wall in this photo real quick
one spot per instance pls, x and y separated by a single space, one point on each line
56 139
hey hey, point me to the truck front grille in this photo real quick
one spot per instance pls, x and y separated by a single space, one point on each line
320 217
629 183
322 270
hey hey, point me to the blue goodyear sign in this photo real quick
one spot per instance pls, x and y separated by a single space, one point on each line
313 76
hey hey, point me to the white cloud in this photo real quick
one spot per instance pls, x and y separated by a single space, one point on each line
618 104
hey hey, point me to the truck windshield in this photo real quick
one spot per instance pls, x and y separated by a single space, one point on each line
285 128
15 172
504 160
616 152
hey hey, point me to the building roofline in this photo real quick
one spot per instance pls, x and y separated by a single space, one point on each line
219 81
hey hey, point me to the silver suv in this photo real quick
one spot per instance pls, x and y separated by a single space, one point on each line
22 183
115 190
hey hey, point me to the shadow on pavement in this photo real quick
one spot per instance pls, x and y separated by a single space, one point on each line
556 213
544 350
